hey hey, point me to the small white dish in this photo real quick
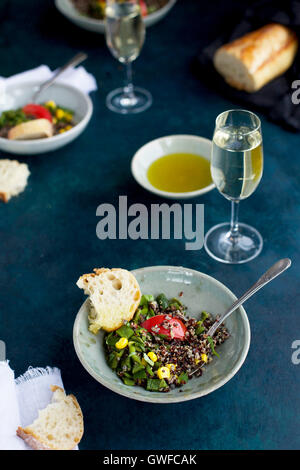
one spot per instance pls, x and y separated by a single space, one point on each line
64 95
67 8
158 148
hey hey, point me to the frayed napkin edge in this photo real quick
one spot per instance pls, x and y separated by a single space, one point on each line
35 372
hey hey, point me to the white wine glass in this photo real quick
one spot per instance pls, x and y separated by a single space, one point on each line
236 169
125 36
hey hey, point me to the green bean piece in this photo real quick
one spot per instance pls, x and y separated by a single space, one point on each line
145 299
183 378
149 370
162 301
204 315
141 374
111 339
175 301
200 328
137 367
129 382
154 385
125 331
132 353
212 345
113 360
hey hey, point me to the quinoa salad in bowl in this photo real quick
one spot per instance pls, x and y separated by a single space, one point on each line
161 352
161 347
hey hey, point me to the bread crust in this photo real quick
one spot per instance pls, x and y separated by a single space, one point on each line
260 56
35 129
83 283
35 442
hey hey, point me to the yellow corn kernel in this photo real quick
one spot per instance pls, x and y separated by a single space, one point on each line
68 117
171 366
68 128
51 104
59 113
204 357
152 356
122 343
54 120
163 373
61 131
197 361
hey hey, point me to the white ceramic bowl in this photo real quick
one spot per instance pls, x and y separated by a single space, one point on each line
158 148
67 8
67 96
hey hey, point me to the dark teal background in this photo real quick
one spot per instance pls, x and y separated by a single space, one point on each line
48 237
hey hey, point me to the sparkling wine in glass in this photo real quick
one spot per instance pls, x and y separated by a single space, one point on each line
125 36
236 169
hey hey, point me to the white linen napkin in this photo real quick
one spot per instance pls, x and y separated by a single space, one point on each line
20 400
78 77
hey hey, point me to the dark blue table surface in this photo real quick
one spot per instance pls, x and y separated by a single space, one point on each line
48 237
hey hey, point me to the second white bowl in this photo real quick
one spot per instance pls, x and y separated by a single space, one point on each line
158 148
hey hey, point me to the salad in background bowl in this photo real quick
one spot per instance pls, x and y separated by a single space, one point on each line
89 14
27 128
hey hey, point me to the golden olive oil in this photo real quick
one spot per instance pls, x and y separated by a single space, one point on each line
180 173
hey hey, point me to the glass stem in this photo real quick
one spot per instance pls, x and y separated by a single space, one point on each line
128 88
234 224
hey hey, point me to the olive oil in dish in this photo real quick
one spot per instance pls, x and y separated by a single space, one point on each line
180 173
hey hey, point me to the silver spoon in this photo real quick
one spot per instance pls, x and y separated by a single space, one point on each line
77 59
268 276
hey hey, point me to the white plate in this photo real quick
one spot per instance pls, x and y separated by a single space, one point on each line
158 148
67 8
64 95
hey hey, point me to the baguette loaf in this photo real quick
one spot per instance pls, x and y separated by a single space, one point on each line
35 129
13 178
114 296
248 63
59 426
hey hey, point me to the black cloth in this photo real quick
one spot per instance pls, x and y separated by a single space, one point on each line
274 100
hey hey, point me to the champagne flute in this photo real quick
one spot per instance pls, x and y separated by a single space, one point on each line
125 36
236 169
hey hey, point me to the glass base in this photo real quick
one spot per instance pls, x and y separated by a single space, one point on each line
122 103
233 250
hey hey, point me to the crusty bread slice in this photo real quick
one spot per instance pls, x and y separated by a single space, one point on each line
248 63
114 296
13 178
59 426
35 129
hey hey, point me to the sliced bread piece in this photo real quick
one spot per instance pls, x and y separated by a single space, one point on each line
114 297
59 426
13 178
248 63
35 129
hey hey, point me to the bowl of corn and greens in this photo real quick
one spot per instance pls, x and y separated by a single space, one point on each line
71 111
196 299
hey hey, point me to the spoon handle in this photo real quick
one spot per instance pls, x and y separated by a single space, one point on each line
77 59
268 276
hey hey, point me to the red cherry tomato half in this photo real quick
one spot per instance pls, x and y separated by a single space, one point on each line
144 9
178 328
37 111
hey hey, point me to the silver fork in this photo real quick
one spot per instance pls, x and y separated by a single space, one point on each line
77 59
268 276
